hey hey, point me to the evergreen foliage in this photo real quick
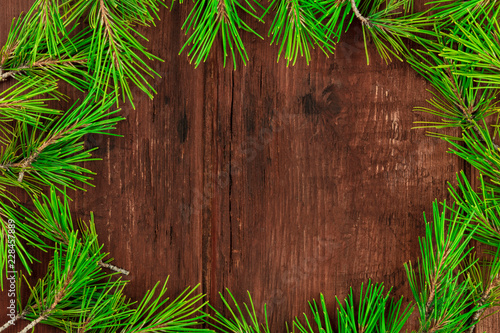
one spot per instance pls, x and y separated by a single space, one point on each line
96 48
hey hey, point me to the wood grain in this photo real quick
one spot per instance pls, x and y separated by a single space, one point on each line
284 181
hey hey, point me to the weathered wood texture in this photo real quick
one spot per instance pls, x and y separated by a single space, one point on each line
286 182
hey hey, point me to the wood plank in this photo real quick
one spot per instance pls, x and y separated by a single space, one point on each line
286 182
330 181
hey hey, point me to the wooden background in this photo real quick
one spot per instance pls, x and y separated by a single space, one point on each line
286 182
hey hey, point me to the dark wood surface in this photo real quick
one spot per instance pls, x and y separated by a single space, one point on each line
283 181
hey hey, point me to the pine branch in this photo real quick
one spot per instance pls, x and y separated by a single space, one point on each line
371 312
481 207
14 237
364 20
5 75
388 24
52 220
113 268
434 283
39 44
242 318
440 288
210 19
52 156
114 52
26 163
25 102
481 303
12 321
73 270
155 314
479 103
105 20
41 64
6 52
446 12
44 146
57 298
466 111
297 29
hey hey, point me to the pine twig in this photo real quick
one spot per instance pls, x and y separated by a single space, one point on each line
105 19
435 285
363 19
11 322
26 163
467 112
113 268
477 314
221 11
484 298
37 64
45 314
33 324
5 75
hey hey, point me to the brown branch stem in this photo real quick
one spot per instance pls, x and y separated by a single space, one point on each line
435 284
33 324
467 112
476 316
360 17
10 322
46 313
5 75
113 268
107 27
484 298
221 11
26 163
40 63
